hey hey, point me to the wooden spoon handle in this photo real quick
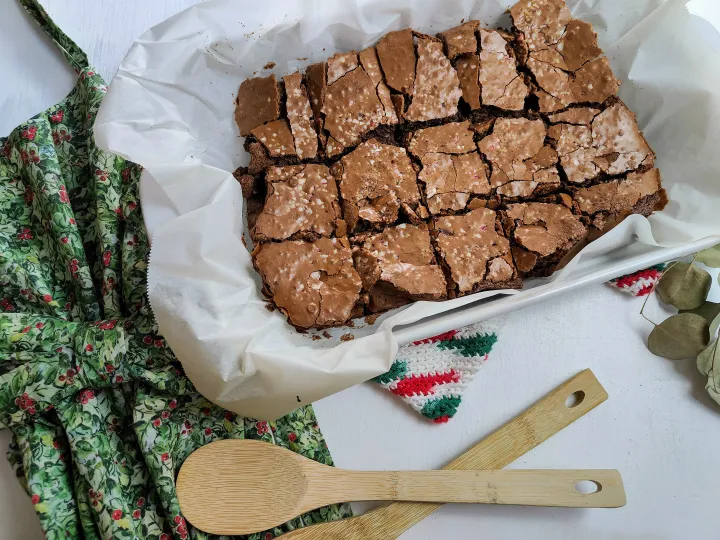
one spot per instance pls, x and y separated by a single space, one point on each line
524 487
520 435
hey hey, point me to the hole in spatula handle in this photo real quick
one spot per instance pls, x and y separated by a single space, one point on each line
575 399
588 487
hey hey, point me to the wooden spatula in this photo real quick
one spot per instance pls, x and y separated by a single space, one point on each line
525 432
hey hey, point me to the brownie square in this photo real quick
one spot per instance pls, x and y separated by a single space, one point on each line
301 203
542 235
460 40
562 54
313 283
452 170
501 85
523 166
475 254
351 105
436 92
258 102
609 143
607 204
376 182
300 116
398 266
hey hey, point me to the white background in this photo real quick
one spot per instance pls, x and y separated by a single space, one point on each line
658 428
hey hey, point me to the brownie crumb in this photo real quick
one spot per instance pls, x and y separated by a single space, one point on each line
269 65
371 319
347 337
315 337
326 334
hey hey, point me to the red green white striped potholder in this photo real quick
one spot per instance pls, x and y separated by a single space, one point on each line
432 375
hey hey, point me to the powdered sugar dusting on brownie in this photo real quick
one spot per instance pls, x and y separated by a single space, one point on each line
371 65
450 180
339 64
611 144
562 55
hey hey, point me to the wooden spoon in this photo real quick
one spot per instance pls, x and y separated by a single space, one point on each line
561 407
245 486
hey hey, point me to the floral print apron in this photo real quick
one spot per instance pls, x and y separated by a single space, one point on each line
101 412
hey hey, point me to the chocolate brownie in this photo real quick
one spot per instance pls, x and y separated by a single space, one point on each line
605 205
452 170
454 163
258 102
302 202
542 235
561 54
460 40
475 254
300 116
523 166
416 68
313 283
610 144
376 181
398 266
500 83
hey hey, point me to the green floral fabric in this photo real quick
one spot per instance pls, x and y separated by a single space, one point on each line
101 412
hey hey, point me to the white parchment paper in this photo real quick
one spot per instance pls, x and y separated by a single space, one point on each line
170 108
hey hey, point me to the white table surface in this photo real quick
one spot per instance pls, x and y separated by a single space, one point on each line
659 428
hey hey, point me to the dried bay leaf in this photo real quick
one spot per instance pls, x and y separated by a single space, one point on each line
681 336
685 286
710 257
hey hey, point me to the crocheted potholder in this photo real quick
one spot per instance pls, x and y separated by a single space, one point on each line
431 375
640 283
